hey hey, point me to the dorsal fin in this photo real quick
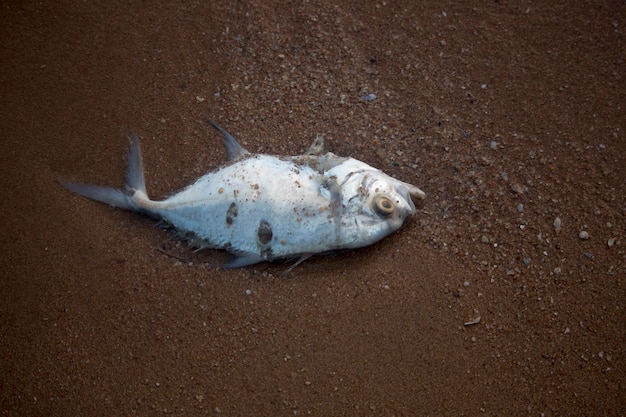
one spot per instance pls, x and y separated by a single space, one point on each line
234 149
317 147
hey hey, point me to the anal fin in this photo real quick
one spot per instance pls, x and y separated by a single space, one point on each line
240 261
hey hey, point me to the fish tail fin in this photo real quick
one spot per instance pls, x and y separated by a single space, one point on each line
112 196
133 197
135 180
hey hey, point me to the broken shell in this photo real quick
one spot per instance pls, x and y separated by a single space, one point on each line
472 322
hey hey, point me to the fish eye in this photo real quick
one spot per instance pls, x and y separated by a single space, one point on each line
384 206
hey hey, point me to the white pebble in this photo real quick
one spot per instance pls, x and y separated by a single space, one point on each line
583 235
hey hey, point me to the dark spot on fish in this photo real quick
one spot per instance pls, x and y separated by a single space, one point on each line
267 253
231 213
264 233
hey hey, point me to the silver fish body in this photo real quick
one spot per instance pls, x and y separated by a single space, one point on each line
264 207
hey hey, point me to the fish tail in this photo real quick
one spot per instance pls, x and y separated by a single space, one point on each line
134 171
134 195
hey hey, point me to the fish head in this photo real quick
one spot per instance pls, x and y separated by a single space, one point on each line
374 204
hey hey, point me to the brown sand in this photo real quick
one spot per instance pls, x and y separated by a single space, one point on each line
508 114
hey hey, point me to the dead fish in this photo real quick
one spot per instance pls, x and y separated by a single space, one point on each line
262 207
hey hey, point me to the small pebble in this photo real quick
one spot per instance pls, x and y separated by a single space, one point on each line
517 189
520 207
611 242
493 145
583 235
557 223
369 97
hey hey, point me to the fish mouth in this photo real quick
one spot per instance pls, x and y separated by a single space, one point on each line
413 190
405 193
